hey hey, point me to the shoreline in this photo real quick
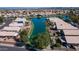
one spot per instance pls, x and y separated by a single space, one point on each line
31 30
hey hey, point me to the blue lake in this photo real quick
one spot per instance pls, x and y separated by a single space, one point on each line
39 25
66 17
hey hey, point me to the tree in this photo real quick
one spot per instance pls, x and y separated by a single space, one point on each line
1 19
41 40
71 12
23 36
39 16
73 16
48 22
27 18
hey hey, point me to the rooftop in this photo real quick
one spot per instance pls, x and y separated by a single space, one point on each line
20 19
15 24
71 32
61 24
5 33
11 29
72 39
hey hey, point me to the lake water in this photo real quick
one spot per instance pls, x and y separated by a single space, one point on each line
66 17
39 25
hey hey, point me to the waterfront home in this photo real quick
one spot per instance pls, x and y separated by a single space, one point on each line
15 24
20 20
8 34
69 35
71 32
74 40
11 29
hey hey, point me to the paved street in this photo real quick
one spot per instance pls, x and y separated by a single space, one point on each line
5 48
7 22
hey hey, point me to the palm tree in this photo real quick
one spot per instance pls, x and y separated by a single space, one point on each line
39 16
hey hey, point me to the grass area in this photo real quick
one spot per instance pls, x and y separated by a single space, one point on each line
31 30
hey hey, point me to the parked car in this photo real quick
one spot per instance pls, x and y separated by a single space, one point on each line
20 44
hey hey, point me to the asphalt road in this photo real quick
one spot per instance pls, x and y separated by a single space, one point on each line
5 48
7 22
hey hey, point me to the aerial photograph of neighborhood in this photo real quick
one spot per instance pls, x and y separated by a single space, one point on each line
39 29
